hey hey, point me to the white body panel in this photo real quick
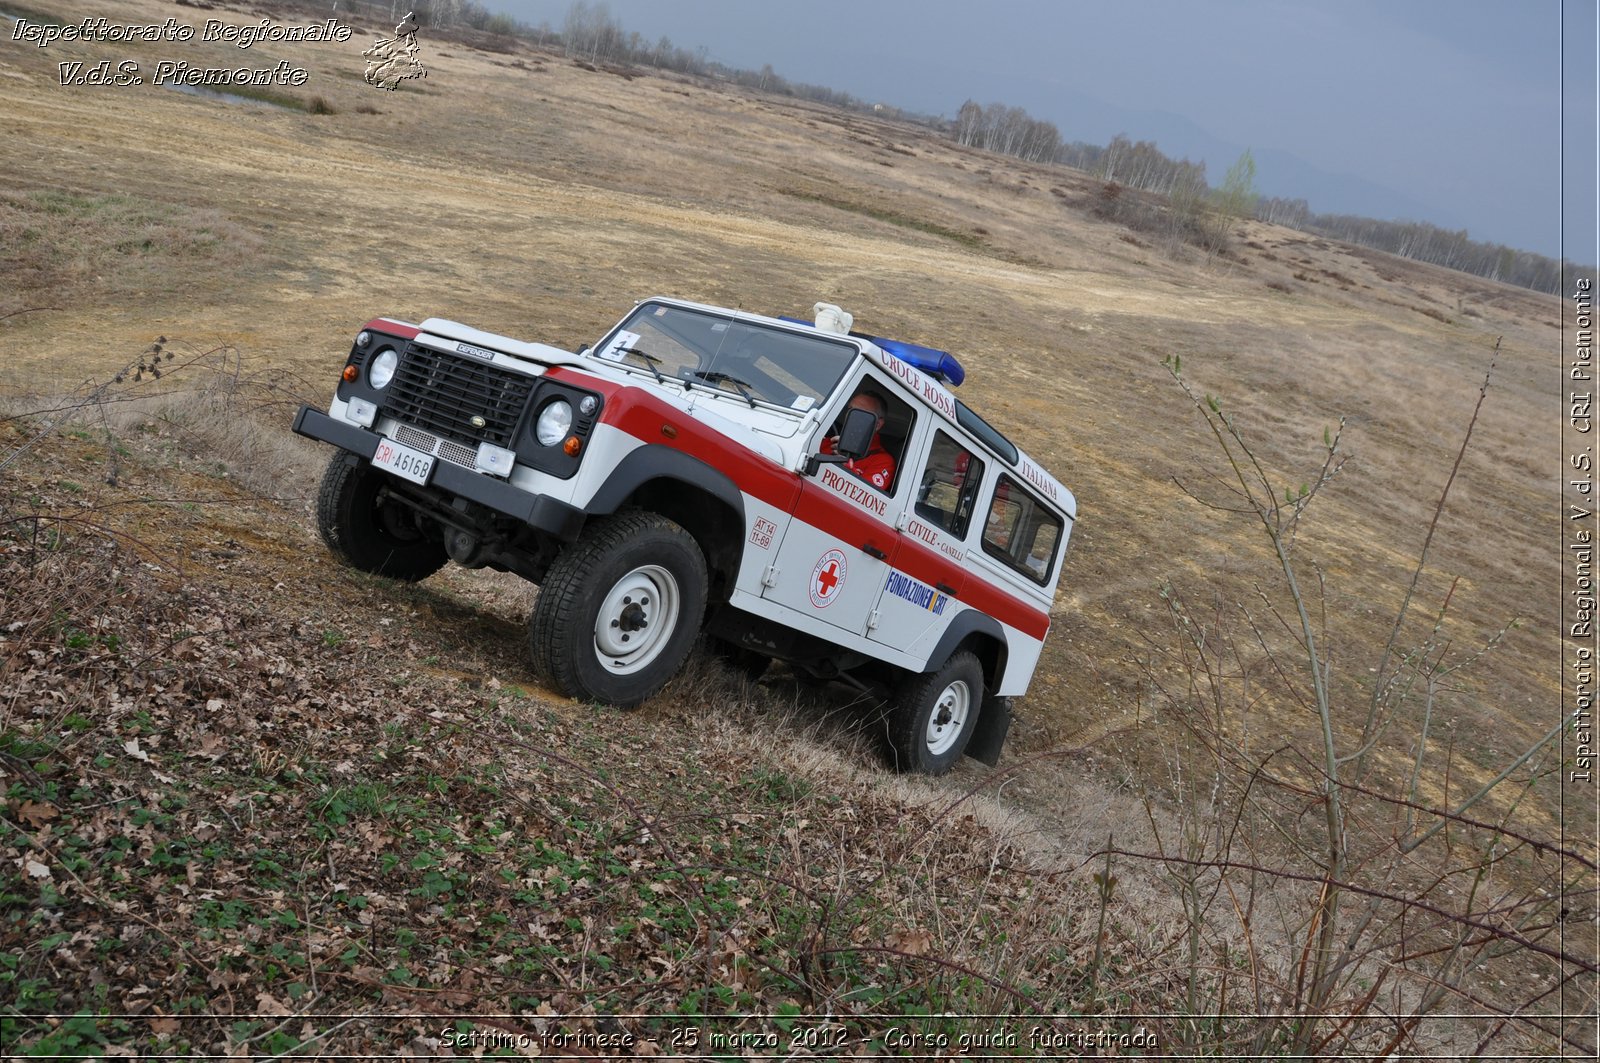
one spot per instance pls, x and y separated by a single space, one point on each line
850 565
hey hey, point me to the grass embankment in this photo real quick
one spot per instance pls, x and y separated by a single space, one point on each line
55 245
240 781
259 803
884 896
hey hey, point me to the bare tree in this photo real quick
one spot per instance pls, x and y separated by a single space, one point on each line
590 32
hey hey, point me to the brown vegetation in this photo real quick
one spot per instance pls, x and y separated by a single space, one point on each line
539 202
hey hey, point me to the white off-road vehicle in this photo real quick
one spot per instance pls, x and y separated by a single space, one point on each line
705 470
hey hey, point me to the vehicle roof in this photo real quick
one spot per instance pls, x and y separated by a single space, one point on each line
918 386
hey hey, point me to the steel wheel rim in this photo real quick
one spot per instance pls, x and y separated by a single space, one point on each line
948 718
637 619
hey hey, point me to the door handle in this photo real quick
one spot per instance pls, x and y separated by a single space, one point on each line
945 588
868 548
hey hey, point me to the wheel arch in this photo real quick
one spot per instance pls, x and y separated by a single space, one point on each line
982 636
704 501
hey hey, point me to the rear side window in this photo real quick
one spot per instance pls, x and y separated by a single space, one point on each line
1020 531
949 490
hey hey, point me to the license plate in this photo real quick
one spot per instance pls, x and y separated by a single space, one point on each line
404 462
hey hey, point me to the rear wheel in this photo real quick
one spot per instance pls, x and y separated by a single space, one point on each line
368 530
619 609
935 715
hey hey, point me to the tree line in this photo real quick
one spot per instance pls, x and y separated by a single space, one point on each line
444 14
591 33
1007 130
1143 166
1425 242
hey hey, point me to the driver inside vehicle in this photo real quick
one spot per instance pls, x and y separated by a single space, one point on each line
876 466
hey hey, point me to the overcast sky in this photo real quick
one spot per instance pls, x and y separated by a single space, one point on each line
1453 112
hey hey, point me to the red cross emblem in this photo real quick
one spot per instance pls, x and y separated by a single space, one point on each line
827 577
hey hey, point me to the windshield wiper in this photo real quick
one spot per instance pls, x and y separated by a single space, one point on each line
650 360
717 377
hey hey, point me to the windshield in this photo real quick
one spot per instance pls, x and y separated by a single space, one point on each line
697 349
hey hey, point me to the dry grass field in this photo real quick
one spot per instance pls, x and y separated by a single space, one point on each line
524 194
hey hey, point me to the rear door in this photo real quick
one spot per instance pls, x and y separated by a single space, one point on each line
927 573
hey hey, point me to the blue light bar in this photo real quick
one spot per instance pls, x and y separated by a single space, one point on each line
941 365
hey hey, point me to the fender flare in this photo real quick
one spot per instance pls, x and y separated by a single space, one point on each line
994 717
969 622
656 462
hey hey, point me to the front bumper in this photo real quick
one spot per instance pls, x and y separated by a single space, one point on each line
539 511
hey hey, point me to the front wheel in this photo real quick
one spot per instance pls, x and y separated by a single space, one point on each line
619 609
935 715
368 530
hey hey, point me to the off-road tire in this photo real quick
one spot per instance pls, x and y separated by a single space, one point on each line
934 716
633 575
367 533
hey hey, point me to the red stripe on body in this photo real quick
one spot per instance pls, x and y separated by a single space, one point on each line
641 415
846 521
392 328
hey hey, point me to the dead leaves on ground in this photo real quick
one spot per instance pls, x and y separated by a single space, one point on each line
228 792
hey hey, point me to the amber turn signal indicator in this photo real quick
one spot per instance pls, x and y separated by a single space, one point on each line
572 446
350 375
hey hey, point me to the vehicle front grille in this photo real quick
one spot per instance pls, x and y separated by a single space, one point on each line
442 392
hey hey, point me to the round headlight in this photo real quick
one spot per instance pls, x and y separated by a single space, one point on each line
383 367
555 421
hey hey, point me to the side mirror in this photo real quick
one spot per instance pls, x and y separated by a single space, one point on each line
855 438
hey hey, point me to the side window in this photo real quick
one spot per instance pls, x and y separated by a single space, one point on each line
881 467
948 493
1020 531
